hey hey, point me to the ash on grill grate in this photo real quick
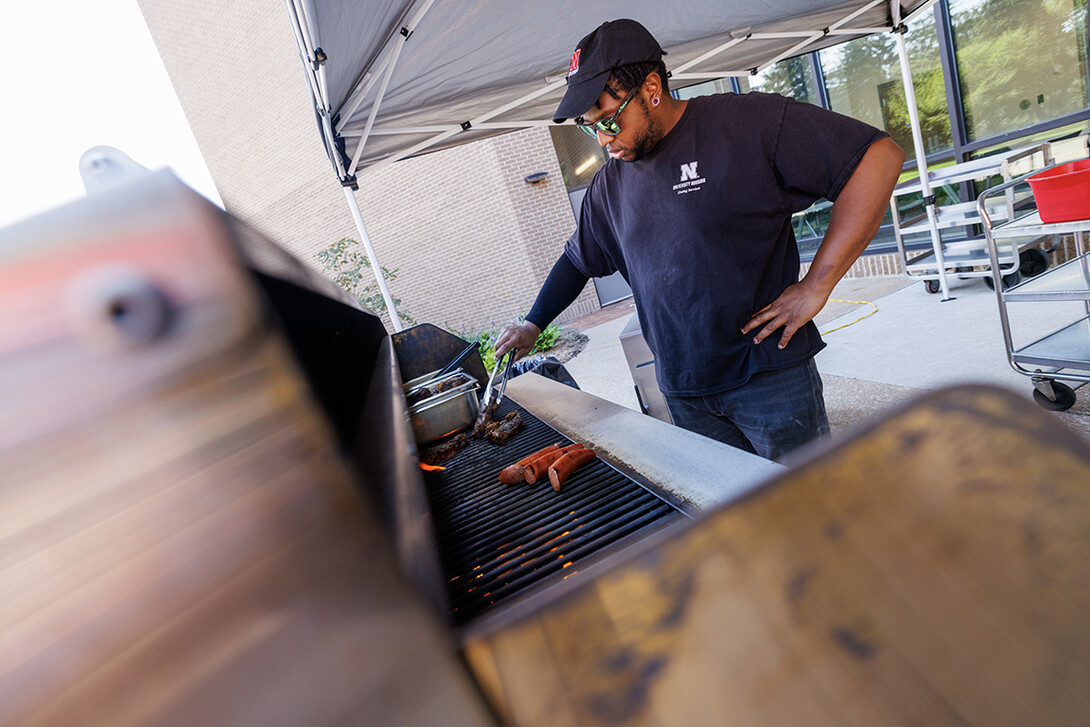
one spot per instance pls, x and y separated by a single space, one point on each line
495 540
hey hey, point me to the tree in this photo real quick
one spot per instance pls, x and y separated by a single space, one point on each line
1020 63
349 268
789 78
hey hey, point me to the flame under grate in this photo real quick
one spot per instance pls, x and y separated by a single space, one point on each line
496 540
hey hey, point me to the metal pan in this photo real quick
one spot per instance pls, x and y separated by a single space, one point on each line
430 388
445 413
421 380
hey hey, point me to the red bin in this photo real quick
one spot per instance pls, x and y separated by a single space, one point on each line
1063 192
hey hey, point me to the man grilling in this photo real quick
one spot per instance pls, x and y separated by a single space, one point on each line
694 209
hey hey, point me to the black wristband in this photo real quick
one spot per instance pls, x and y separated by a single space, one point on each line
560 290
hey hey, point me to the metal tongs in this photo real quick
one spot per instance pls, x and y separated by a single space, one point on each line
487 399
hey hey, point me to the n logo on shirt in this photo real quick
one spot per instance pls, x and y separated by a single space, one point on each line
691 181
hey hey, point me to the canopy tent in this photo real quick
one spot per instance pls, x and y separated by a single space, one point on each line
391 79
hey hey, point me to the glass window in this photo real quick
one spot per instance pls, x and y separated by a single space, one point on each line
1019 62
863 80
792 77
707 88
1067 143
579 155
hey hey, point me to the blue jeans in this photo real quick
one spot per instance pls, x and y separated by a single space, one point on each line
770 415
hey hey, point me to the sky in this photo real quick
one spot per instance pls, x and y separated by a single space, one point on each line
77 74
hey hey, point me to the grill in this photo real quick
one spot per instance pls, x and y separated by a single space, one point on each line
495 540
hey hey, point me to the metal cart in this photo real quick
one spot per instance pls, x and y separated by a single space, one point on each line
966 258
1063 353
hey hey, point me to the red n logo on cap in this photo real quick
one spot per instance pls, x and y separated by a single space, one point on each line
574 61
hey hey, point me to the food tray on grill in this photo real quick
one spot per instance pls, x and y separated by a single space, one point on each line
440 406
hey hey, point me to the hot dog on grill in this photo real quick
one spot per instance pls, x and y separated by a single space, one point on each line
545 450
562 468
538 467
512 474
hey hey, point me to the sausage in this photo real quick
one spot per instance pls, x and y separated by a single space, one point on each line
527 460
570 462
537 468
513 474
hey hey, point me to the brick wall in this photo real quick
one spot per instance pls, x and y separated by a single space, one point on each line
471 239
472 242
245 98
545 214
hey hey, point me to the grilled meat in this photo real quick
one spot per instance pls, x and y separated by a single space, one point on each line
539 466
484 418
418 396
450 383
492 425
515 473
511 475
502 431
431 390
560 470
441 453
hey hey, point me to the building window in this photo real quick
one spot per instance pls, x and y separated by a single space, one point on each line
792 77
1067 144
580 155
707 88
1019 62
1010 66
863 79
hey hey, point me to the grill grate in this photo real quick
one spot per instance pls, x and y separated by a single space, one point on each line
496 540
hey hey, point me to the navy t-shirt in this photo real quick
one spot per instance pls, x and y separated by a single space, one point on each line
701 230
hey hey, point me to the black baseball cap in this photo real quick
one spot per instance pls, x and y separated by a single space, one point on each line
612 44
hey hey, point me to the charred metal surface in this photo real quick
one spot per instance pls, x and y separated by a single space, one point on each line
426 348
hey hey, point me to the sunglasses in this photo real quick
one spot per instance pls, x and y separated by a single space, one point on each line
608 125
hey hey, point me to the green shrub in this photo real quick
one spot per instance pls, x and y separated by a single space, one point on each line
487 338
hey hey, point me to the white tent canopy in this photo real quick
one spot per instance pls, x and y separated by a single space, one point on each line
391 79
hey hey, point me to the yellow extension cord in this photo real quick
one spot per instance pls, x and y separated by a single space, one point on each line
856 302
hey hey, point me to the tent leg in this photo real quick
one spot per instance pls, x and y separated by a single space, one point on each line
921 160
354 206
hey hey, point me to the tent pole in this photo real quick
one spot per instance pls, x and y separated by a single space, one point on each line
921 160
355 207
